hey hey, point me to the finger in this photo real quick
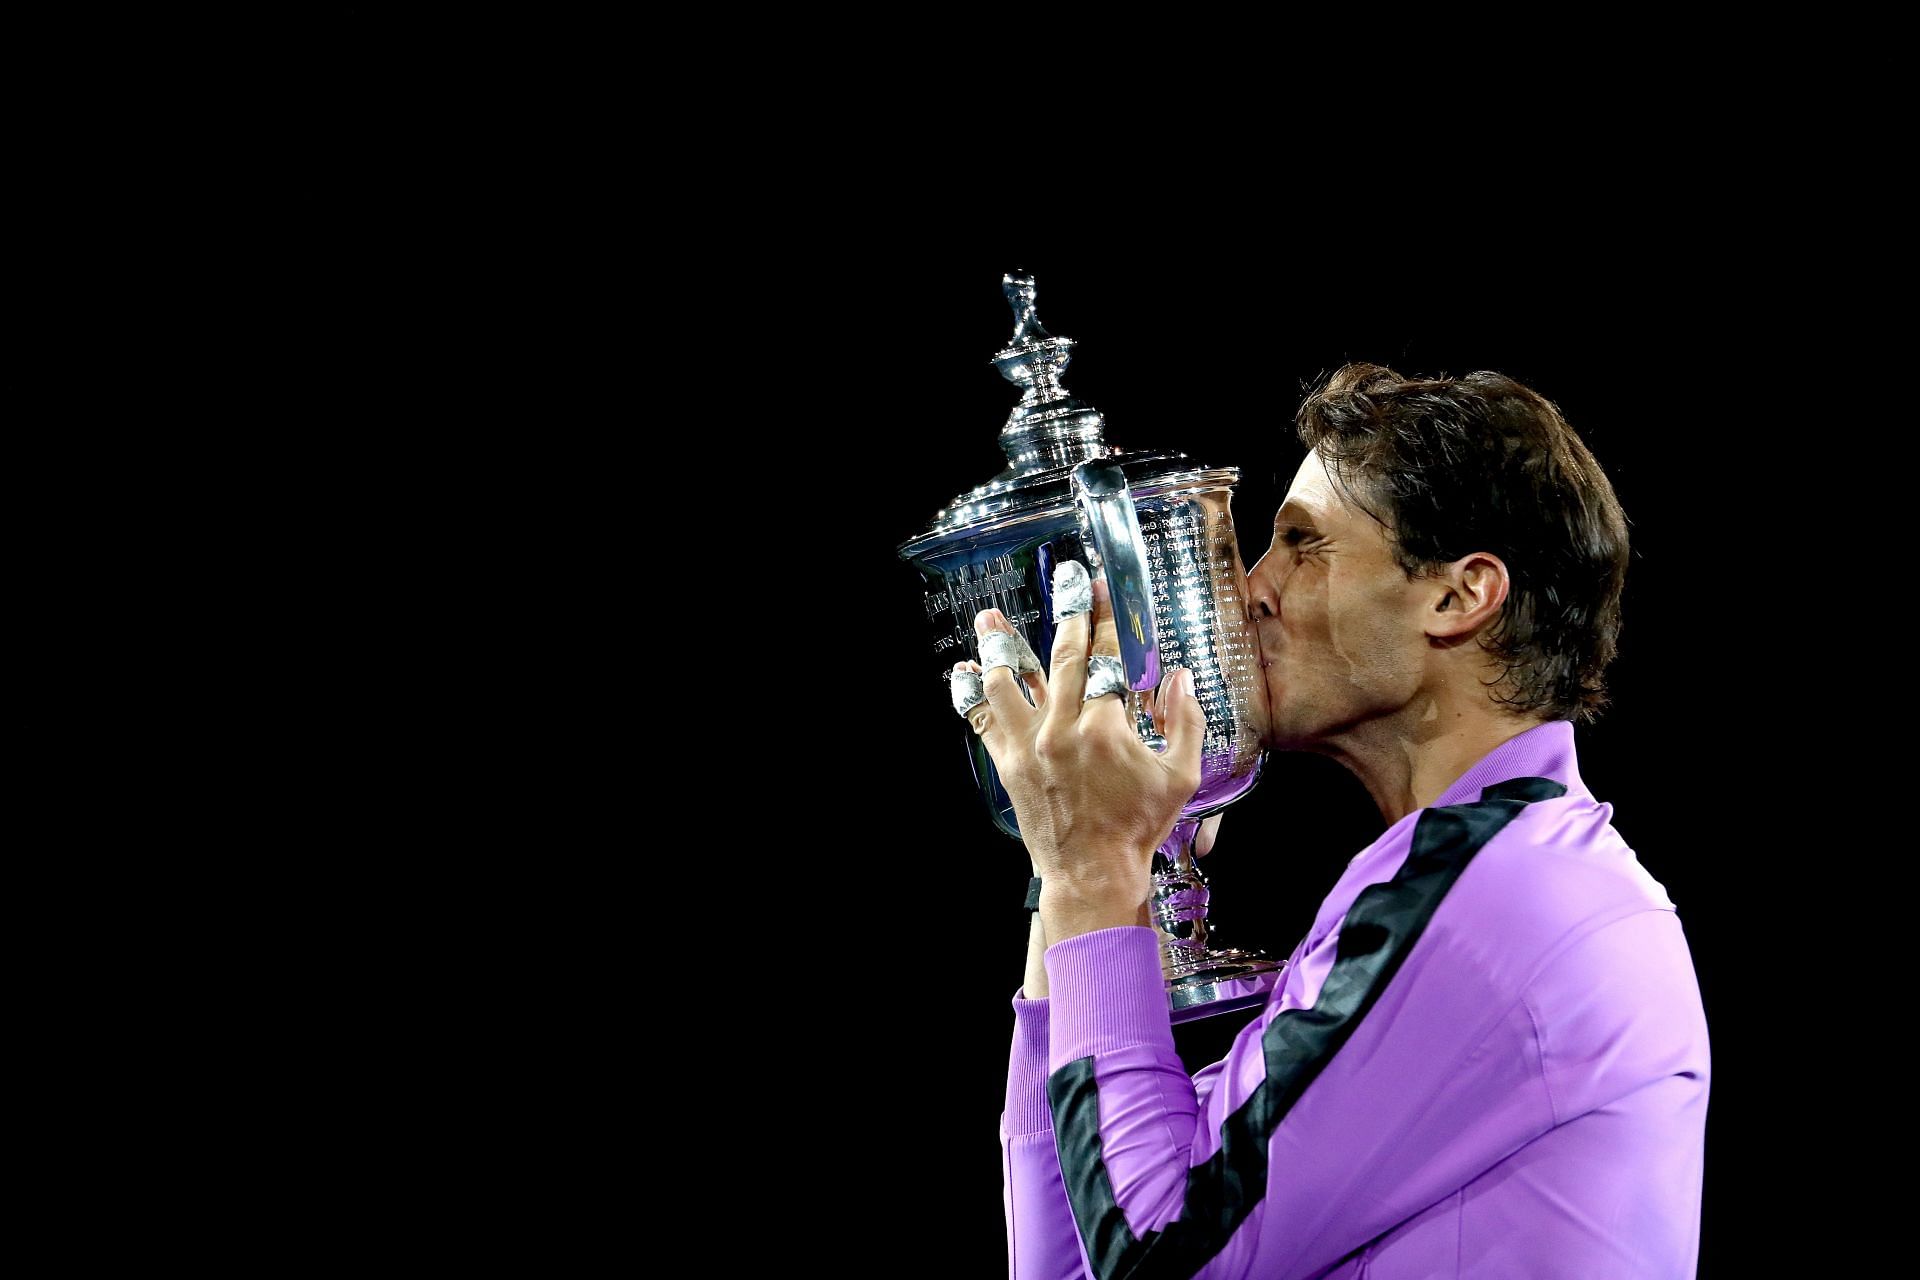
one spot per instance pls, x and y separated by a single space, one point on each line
1027 671
1208 833
1106 640
1157 701
979 716
1186 731
1106 635
1010 709
1036 683
1072 603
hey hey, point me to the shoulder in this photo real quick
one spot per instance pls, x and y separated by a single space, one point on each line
1558 862
1539 868
1553 910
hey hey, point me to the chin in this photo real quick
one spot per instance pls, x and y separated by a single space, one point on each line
1275 736
1276 740
1285 732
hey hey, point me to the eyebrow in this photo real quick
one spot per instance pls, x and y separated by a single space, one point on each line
1299 516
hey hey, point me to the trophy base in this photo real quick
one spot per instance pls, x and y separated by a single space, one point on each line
1222 982
1202 979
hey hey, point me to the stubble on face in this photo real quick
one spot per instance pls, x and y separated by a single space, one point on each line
1340 651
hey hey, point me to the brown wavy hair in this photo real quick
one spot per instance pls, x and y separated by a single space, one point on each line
1482 463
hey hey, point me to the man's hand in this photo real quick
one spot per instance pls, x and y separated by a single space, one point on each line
1093 801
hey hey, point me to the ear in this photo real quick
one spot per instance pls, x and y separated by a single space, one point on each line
1467 595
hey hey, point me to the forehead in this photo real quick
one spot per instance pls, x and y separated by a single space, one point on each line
1314 497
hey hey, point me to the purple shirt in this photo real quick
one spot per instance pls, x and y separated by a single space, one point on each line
1487 1058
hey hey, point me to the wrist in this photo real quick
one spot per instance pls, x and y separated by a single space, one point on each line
1070 908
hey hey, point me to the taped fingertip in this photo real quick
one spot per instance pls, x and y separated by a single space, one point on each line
1008 649
1072 590
967 691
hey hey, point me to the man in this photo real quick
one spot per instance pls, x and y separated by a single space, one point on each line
1488 1057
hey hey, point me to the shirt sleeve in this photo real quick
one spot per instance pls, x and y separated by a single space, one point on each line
1042 1241
1325 1126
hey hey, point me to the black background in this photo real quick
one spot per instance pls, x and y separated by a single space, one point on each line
612 611
901 904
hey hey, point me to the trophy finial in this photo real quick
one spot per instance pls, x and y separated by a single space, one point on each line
1018 286
1048 428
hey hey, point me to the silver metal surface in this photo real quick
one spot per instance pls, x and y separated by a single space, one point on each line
1159 526
1203 975
1109 515
1048 428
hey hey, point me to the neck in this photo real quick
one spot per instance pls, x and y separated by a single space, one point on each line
1409 759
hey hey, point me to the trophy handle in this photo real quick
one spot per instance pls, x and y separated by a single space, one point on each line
1108 517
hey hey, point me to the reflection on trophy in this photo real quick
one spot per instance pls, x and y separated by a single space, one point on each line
1160 528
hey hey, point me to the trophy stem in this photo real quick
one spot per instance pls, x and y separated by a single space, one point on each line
1202 980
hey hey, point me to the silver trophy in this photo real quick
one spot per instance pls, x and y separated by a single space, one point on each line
1160 527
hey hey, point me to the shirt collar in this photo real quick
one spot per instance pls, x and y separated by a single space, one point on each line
1544 751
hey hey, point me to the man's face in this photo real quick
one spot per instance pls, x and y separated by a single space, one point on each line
1339 624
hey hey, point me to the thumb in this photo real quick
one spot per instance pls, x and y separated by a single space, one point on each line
1186 728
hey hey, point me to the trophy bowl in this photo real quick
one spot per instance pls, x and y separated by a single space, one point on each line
1160 528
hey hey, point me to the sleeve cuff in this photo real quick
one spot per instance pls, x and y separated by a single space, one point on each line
1108 991
1027 1109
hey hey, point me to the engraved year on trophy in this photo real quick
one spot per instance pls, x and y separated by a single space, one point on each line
1160 527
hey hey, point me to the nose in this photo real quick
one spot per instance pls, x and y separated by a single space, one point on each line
1263 600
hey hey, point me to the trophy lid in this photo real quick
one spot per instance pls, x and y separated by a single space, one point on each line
1048 434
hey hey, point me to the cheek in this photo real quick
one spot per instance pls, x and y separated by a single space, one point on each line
1364 634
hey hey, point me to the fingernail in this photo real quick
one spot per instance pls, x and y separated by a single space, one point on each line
1072 590
989 620
1186 681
